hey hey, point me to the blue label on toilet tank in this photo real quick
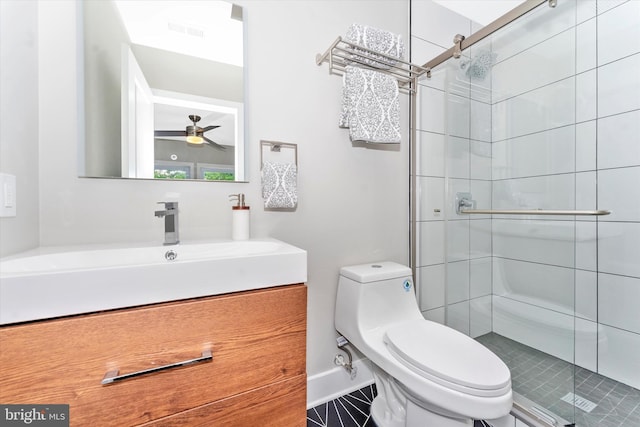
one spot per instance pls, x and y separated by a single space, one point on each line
407 285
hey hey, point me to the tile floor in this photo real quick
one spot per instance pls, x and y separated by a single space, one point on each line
545 379
351 410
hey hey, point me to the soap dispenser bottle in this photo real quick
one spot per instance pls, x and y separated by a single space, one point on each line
240 218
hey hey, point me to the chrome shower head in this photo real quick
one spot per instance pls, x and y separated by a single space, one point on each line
478 67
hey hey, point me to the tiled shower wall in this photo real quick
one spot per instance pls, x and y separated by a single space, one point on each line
556 125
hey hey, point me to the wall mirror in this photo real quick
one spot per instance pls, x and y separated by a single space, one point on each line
163 90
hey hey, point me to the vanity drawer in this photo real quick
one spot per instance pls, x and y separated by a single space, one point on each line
256 338
277 405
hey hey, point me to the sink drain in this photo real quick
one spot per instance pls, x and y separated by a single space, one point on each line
170 255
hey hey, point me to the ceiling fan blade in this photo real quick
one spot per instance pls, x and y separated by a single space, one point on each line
170 133
213 144
209 128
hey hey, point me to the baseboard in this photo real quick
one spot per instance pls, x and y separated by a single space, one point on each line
331 384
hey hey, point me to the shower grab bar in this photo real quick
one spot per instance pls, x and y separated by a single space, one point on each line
465 201
599 212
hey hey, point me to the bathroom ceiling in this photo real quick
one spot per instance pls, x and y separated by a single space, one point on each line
480 11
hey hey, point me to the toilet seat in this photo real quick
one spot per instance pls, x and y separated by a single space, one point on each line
425 347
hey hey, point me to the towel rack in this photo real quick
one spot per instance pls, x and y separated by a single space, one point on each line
275 146
341 53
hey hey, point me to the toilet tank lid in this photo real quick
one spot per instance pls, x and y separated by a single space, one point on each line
376 271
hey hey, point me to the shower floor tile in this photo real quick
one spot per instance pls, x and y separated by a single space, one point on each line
546 379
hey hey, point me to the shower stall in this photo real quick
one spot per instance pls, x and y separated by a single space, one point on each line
526 199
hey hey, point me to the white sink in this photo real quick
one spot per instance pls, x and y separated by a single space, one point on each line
60 281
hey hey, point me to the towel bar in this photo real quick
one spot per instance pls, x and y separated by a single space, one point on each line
341 53
275 147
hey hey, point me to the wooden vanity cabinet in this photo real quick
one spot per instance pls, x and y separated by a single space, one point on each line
257 375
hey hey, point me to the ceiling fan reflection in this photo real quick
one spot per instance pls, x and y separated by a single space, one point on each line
194 134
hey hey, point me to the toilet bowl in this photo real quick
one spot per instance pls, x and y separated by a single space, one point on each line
426 374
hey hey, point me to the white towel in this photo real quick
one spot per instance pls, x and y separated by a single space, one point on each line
279 185
370 106
377 40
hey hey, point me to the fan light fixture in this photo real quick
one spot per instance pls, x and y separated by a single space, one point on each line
194 132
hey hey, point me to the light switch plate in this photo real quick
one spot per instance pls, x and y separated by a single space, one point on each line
7 195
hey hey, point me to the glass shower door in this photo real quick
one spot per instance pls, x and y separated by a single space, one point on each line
513 111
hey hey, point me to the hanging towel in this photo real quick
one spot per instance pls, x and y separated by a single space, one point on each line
378 40
279 185
370 105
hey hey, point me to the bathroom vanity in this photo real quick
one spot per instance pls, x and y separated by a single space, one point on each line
256 375
213 335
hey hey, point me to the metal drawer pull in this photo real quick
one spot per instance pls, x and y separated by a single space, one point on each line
112 376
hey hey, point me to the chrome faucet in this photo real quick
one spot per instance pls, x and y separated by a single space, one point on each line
170 214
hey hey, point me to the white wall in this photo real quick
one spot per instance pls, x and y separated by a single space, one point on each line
353 201
19 120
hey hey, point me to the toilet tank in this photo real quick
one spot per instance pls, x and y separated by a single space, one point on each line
374 295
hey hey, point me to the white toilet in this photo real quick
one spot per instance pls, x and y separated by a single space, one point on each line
427 374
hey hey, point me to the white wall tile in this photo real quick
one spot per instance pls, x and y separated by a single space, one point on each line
431 109
586 46
533 28
585 194
457 281
586 344
618 298
542 192
618 140
543 153
586 146
435 315
585 9
618 248
481 193
618 192
619 86
538 66
586 245
479 238
431 286
458 114
457 240
543 329
431 196
480 160
479 316
431 249
549 107
546 242
480 121
618 356
431 155
604 5
616 25
543 285
587 295
586 92
458 157
458 316
480 277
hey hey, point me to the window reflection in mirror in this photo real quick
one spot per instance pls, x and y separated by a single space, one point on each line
149 66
